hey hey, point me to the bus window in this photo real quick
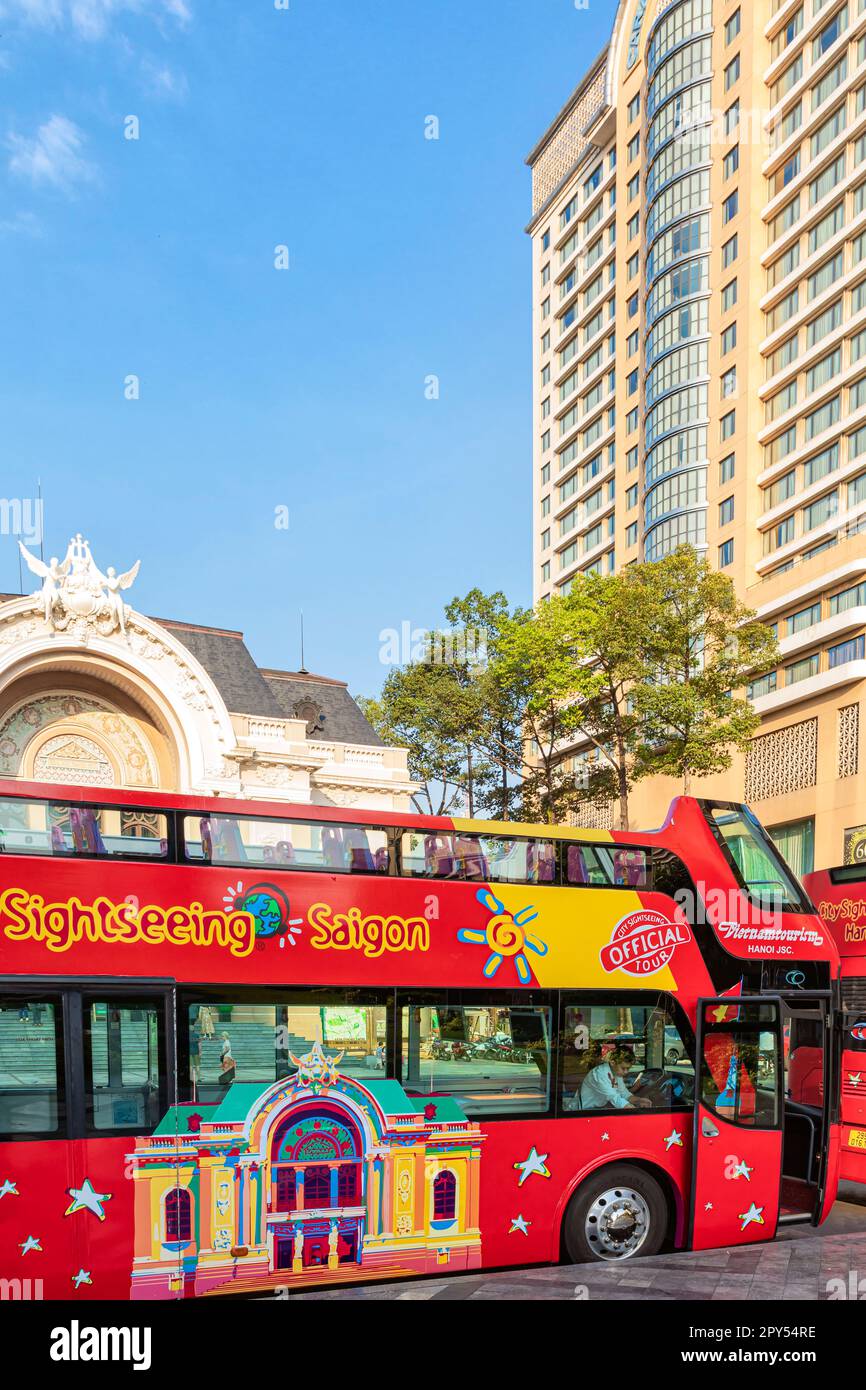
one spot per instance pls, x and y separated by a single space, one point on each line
630 868
590 866
739 1066
42 827
520 861
274 844
31 1069
430 855
629 1055
125 1063
263 1041
492 1059
755 860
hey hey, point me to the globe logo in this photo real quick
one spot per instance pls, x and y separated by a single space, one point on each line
269 908
265 910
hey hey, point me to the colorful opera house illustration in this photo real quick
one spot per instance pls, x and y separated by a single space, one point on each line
318 1176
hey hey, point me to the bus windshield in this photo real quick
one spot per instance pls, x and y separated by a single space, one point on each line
758 865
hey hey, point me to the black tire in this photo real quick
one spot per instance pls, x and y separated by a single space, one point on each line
672 1058
638 1191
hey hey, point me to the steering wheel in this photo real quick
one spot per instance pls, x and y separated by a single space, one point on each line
664 1088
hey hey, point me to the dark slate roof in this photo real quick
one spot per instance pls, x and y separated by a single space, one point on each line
342 720
227 661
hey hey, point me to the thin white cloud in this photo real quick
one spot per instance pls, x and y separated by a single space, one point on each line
164 81
90 19
22 224
53 157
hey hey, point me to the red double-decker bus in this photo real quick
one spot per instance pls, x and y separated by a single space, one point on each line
257 1046
840 898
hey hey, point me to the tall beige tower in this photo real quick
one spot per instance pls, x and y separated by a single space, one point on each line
699 358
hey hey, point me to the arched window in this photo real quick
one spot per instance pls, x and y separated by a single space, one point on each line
178 1214
444 1196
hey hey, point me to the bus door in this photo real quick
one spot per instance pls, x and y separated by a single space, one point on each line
35 1155
128 1086
809 1087
738 1125
853 1076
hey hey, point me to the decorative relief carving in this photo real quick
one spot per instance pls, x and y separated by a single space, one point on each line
312 714
568 144
594 815
91 716
848 759
73 759
783 761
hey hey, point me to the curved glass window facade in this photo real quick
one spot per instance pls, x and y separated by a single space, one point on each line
689 151
690 528
688 321
675 245
689 64
688 194
679 368
679 22
682 282
680 116
676 394
682 408
681 450
675 494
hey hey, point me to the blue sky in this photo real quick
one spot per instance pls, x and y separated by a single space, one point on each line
262 388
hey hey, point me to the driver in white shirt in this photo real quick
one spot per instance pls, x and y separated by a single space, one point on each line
604 1086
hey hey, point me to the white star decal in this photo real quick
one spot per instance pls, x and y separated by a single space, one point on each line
708 1206
9 1189
674 1140
743 1170
519 1223
605 1138
82 1277
31 1243
754 1214
84 1198
855 1078
535 1163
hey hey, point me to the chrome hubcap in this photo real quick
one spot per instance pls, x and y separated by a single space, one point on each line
617 1223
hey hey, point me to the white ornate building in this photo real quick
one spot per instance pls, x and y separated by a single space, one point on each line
94 693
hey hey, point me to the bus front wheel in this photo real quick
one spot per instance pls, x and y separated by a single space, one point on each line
618 1212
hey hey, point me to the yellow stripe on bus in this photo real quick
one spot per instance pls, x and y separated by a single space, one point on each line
527 829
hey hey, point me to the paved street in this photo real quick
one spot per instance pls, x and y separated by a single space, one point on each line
800 1264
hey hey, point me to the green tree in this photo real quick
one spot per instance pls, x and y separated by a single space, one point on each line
531 674
495 742
423 708
606 631
702 646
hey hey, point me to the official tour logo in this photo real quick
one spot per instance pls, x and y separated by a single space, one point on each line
643 943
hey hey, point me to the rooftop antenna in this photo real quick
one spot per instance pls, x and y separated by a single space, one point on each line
303 670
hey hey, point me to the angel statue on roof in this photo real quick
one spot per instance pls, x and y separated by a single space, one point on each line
114 584
50 574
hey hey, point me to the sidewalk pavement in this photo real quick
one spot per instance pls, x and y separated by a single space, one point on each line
799 1264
